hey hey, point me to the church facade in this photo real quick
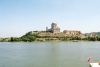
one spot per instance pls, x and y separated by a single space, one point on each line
54 28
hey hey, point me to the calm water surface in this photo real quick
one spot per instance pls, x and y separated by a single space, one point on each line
48 54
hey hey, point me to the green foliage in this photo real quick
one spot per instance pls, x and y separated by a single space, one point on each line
97 33
15 39
29 37
28 34
75 38
3 40
78 38
49 31
98 38
84 38
91 38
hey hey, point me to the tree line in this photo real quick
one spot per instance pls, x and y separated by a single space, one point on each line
32 37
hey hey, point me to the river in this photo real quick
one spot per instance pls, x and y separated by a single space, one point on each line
48 54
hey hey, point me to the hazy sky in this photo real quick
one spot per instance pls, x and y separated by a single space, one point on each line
20 16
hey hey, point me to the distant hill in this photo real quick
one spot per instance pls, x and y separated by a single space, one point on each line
97 33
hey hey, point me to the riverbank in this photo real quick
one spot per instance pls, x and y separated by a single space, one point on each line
35 37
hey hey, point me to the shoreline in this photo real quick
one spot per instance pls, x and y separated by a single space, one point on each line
55 41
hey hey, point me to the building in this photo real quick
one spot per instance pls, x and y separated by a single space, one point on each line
71 32
54 28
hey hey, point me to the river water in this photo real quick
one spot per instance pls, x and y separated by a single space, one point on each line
48 54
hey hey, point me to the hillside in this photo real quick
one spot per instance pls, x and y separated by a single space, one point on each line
97 33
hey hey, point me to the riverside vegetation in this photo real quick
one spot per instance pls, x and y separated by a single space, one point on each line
35 37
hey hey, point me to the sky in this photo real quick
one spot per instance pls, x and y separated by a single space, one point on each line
18 17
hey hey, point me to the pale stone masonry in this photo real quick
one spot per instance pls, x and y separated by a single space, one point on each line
55 31
54 28
71 32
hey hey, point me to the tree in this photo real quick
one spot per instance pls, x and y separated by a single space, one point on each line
15 39
12 39
98 38
91 38
31 38
84 38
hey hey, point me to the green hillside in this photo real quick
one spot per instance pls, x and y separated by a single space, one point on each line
97 33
